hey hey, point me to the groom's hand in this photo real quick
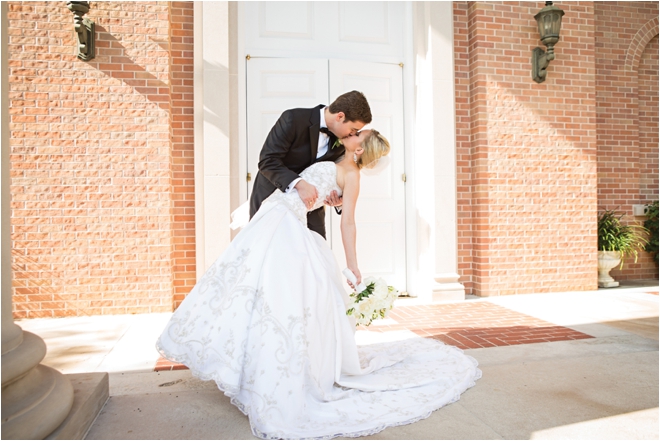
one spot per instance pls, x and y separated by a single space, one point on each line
333 200
307 192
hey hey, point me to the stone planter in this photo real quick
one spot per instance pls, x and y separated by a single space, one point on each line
606 261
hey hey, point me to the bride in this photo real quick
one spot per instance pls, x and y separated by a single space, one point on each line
267 322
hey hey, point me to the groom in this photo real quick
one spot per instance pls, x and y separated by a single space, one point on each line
301 137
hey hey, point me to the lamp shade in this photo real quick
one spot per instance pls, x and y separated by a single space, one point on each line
78 6
549 21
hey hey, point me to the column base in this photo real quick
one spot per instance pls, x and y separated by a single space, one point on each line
35 404
39 402
90 393
446 288
35 398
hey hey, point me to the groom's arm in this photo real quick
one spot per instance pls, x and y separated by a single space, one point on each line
276 147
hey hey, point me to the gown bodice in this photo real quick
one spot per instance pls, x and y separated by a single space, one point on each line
323 176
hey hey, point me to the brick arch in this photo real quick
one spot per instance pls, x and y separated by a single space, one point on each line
639 42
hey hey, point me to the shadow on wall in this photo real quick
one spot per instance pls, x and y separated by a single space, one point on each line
34 293
124 68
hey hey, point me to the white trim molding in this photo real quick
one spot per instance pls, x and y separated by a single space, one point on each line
433 156
212 132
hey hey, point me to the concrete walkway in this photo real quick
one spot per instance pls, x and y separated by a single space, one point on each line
605 387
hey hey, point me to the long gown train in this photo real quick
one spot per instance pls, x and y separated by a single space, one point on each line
267 322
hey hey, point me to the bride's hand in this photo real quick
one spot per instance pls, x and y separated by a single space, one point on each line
358 276
333 200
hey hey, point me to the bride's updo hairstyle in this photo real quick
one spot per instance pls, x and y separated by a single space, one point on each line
375 146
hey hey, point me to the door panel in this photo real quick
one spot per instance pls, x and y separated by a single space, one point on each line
380 212
328 29
273 86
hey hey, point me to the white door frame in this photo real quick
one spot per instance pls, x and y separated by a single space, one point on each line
428 37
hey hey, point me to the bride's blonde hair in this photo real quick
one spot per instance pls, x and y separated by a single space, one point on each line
375 146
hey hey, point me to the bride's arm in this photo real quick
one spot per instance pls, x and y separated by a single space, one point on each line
348 231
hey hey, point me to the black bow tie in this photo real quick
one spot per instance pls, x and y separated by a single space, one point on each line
333 141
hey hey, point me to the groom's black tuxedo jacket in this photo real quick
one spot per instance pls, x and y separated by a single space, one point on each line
291 147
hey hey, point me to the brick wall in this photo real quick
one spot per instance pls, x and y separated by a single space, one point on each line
648 142
627 121
101 159
464 182
527 151
648 121
183 174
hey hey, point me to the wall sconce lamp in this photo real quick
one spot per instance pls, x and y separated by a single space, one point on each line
84 29
549 21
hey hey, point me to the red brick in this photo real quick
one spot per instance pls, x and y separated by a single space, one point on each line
73 105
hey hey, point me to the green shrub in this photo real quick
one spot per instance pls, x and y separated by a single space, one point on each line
651 224
613 235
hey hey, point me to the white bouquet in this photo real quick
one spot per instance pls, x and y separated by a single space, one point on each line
373 301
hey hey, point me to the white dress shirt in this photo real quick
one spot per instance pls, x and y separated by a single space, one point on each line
324 141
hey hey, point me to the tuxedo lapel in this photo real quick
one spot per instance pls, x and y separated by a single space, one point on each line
332 140
315 125
332 154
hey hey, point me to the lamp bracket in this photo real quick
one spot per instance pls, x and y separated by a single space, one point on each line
540 63
85 29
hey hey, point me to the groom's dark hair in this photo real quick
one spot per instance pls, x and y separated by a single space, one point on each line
354 105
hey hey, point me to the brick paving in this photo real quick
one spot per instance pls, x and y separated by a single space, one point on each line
473 324
466 325
163 364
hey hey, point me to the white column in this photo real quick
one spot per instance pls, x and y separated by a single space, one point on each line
35 398
212 132
446 286
434 157
12 335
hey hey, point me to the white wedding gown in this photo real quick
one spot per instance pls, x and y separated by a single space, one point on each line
267 322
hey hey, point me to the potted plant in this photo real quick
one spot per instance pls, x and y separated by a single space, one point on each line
651 224
616 242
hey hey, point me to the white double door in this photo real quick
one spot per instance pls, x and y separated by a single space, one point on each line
277 84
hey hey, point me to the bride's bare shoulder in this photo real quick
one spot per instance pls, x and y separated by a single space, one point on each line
347 168
347 173
351 174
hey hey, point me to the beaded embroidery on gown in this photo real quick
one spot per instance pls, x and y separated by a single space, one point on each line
267 322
